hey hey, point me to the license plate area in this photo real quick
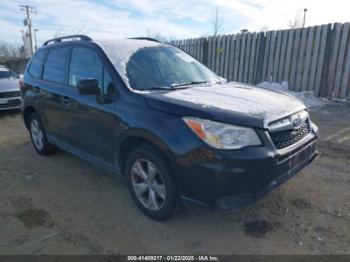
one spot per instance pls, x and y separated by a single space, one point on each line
302 156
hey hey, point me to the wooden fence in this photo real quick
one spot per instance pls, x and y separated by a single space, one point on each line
311 59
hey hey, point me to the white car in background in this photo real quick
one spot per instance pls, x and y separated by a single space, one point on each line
10 97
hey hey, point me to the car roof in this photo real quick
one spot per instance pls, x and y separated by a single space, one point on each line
85 39
118 51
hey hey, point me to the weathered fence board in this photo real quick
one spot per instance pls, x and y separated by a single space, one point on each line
339 67
315 54
246 58
282 56
315 59
227 53
266 55
288 56
252 58
231 57
333 62
345 82
320 60
307 63
237 52
300 63
276 56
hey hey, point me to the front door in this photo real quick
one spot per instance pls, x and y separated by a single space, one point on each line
91 121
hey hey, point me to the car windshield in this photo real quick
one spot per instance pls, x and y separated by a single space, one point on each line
5 73
163 67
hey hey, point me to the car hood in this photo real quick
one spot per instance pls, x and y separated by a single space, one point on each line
230 102
9 85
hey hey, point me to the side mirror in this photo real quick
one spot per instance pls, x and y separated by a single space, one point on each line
88 87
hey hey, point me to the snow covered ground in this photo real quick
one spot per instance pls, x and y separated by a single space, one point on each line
307 97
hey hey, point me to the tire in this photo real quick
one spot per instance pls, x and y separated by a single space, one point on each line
38 136
163 203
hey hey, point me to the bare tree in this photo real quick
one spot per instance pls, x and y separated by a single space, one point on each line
9 50
217 23
297 21
10 53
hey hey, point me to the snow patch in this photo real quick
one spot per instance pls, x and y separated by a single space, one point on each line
307 97
119 52
239 98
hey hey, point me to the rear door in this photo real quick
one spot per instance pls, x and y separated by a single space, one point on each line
32 81
52 91
91 120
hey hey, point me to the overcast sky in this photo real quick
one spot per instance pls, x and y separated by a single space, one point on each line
171 18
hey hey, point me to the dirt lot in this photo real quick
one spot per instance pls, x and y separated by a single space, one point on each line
63 205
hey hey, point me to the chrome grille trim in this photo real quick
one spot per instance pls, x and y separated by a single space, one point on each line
290 130
288 122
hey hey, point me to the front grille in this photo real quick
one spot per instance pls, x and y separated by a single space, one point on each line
10 94
285 138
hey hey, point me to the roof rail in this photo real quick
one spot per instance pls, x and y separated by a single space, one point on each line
73 37
145 38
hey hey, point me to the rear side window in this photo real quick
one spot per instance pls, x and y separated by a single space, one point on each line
85 63
37 64
55 65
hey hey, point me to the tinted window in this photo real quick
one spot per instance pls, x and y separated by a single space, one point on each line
165 67
55 65
37 64
85 63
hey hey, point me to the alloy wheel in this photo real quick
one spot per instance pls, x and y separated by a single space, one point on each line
148 184
37 135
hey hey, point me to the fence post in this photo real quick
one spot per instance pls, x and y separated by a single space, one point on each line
326 61
205 51
260 57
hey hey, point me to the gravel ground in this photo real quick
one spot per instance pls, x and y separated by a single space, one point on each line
63 205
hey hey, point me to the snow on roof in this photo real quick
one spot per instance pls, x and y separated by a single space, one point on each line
119 52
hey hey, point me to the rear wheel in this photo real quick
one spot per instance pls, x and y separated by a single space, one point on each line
38 135
150 183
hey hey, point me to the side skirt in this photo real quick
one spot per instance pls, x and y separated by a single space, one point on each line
83 155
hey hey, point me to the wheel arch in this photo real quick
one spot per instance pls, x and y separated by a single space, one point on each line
28 110
137 137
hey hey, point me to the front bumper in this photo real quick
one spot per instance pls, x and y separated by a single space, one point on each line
10 103
225 180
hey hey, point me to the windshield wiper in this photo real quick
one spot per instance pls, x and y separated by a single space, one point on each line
159 88
189 83
176 86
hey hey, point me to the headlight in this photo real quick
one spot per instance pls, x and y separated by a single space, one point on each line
220 135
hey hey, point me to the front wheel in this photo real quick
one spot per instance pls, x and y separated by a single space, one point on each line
150 183
38 135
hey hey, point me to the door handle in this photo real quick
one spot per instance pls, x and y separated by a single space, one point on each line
66 100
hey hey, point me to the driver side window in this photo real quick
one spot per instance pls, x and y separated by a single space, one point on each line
85 63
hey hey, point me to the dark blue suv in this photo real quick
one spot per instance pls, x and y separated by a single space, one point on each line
170 126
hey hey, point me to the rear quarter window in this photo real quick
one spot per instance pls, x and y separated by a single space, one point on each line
37 64
55 65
